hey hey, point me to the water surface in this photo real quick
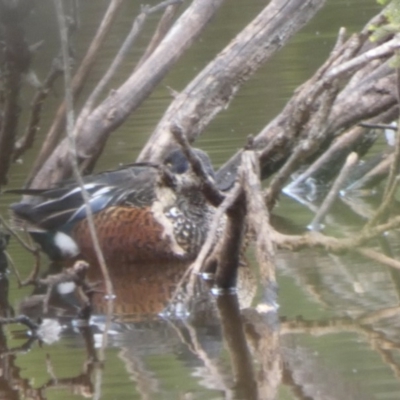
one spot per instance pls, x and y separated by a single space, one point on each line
336 330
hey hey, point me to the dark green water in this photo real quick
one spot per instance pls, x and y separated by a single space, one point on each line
340 316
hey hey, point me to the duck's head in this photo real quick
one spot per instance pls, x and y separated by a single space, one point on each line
178 178
177 162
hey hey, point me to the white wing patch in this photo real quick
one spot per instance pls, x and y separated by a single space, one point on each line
66 244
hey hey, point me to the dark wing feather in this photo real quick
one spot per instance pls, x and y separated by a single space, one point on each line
59 206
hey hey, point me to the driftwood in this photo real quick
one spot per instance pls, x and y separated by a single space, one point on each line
316 128
318 111
355 84
214 87
57 128
123 101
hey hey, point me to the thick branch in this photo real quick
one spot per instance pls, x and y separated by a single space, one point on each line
211 91
373 93
57 128
123 101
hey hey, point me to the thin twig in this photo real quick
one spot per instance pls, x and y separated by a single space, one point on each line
384 50
315 129
377 173
14 268
33 250
394 167
345 140
50 368
210 189
26 141
340 41
72 147
161 30
78 81
137 27
118 59
21 319
331 244
379 257
393 180
378 126
212 238
330 198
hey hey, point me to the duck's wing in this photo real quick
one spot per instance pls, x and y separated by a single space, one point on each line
63 205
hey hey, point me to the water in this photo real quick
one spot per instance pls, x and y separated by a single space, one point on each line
335 335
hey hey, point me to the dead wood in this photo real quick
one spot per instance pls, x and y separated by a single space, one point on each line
356 139
212 90
378 170
331 244
379 257
57 128
355 83
209 188
316 223
21 319
73 152
226 257
93 98
393 179
162 29
16 60
26 142
258 222
299 131
123 101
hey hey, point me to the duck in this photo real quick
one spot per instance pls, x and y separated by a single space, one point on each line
142 212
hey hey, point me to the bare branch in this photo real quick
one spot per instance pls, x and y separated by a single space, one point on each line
384 50
26 142
161 30
212 90
123 101
351 160
73 148
258 218
58 126
379 257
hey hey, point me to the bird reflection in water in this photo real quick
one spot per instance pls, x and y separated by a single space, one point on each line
196 337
